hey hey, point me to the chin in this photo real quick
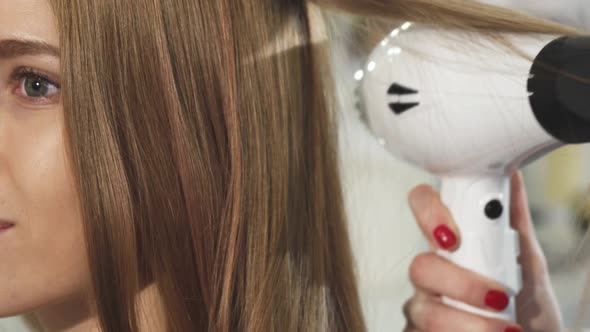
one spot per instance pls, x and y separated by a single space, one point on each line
11 310
26 302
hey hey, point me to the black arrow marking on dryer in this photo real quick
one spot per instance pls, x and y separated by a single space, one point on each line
399 90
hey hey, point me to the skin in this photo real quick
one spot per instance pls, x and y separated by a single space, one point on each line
434 276
44 266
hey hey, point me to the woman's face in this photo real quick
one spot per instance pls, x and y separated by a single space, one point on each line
42 257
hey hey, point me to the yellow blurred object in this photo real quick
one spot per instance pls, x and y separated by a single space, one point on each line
563 174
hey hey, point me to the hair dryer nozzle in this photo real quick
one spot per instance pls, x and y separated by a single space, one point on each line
559 89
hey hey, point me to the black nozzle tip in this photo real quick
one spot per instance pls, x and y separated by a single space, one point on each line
559 88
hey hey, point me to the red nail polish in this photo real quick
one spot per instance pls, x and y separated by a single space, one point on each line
512 329
445 237
497 300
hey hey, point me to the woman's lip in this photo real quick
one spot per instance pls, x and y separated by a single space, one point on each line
4 225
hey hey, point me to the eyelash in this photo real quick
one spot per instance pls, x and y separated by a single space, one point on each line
31 73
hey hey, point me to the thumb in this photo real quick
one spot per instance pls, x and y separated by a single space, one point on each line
531 257
536 303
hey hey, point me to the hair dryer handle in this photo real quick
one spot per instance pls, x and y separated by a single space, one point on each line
489 245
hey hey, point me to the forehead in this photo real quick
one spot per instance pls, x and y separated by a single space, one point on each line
28 19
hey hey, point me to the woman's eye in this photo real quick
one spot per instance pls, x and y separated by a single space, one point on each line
36 87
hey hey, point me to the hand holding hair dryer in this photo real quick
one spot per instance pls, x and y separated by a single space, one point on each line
472 111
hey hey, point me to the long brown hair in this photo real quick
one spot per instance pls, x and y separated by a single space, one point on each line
203 142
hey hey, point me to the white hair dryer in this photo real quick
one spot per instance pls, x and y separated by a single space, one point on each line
472 111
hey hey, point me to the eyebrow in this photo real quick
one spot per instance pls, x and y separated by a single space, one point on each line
12 48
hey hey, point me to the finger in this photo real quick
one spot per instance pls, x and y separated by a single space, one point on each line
410 327
429 314
434 218
438 276
419 297
536 292
531 256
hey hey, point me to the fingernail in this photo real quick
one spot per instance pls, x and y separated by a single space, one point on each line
445 237
512 329
497 300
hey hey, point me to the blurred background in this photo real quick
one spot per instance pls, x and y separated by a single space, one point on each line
385 237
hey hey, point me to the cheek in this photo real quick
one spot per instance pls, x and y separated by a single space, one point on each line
47 260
